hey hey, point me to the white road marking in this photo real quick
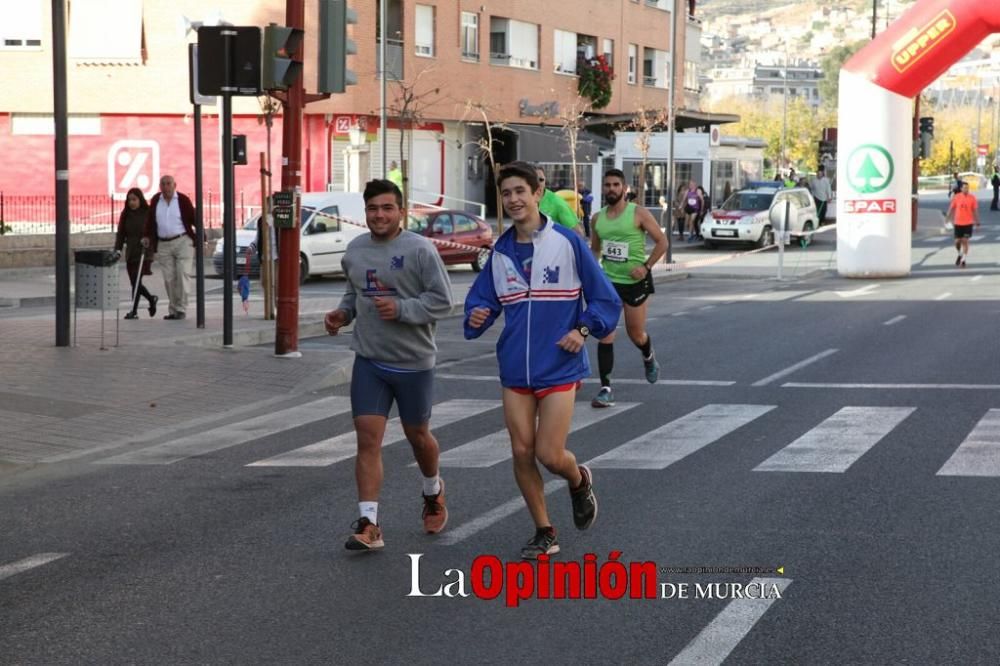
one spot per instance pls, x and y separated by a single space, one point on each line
707 307
662 447
14 568
235 433
941 297
334 449
860 291
594 380
837 443
680 314
976 278
495 447
894 320
505 510
880 387
979 454
716 641
798 366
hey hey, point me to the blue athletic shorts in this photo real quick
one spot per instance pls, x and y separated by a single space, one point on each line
374 387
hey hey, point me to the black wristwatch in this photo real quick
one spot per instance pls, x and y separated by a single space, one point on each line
583 330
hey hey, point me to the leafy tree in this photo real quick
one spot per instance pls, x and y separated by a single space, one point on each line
829 85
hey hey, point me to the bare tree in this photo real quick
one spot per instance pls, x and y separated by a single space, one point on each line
408 107
645 122
572 121
485 145
268 107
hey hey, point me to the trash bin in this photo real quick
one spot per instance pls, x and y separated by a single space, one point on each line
97 285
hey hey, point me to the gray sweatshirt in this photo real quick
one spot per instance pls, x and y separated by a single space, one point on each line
408 269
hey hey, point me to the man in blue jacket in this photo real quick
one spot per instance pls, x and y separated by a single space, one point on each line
539 275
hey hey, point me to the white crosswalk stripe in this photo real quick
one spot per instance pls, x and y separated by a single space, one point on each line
28 563
717 640
979 454
495 447
836 443
236 433
662 447
334 449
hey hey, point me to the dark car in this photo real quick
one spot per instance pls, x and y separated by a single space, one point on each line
455 226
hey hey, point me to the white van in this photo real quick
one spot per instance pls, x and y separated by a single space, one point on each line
330 220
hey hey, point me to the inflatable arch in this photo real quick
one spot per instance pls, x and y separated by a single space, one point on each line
875 135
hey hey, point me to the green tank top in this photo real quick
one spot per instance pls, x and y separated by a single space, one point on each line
623 244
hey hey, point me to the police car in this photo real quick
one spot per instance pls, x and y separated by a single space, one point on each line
745 216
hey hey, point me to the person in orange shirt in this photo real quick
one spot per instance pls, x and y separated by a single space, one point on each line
963 212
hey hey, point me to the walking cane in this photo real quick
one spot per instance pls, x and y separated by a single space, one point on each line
138 283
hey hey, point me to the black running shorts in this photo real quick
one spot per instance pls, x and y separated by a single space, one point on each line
635 294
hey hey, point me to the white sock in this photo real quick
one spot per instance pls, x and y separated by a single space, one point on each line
432 485
369 510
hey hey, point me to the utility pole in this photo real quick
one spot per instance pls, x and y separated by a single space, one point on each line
62 171
672 121
784 110
286 341
383 131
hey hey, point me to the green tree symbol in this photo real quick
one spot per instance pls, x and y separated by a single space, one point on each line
867 172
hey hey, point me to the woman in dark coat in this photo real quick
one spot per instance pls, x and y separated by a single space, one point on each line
131 225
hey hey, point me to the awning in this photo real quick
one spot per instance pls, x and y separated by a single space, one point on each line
537 143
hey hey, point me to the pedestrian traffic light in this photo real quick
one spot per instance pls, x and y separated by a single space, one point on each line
334 46
927 125
282 65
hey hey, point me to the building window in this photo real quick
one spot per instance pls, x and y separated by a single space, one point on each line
690 75
105 32
424 39
513 43
564 56
609 51
655 68
470 36
21 25
633 57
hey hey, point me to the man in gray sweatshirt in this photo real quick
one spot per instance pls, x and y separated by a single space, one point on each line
397 288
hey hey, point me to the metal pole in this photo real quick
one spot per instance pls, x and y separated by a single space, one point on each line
914 199
874 16
228 222
286 339
199 221
672 121
979 115
62 171
383 134
781 238
784 111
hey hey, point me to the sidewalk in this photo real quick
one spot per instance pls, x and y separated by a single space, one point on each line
59 403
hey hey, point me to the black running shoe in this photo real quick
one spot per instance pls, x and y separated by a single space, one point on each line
958 260
584 500
543 543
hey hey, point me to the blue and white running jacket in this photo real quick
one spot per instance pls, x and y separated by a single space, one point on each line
564 277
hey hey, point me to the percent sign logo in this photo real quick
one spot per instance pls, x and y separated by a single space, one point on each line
133 163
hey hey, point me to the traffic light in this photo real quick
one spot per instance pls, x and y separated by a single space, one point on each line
282 65
927 126
334 46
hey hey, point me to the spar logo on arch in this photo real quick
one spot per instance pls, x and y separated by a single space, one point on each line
133 163
870 169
